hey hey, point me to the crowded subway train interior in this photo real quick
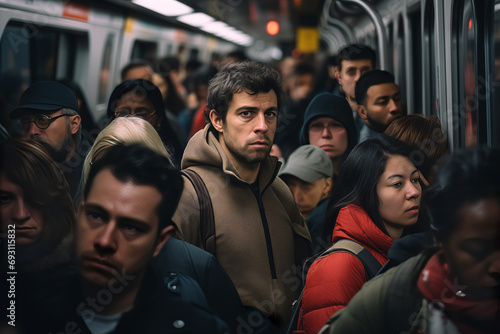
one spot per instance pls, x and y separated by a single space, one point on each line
439 64
444 54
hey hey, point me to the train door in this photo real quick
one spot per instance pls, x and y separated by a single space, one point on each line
476 26
493 40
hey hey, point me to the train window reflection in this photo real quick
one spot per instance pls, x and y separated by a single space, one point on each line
105 70
45 55
14 53
495 115
144 50
467 61
496 40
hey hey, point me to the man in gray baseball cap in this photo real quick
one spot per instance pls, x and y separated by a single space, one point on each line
308 172
48 113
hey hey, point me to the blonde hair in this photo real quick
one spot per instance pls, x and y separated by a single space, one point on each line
124 130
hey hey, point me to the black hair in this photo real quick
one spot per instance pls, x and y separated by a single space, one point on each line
368 79
237 55
248 76
201 76
463 177
303 68
356 52
143 166
134 64
149 91
358 178
88 123
168 64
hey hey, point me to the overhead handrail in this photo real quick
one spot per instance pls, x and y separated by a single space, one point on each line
341 25
374 16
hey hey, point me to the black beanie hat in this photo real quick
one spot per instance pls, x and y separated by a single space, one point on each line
332 106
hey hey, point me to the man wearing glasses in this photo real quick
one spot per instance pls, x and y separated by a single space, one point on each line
48 114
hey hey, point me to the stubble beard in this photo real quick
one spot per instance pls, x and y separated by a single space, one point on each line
60 152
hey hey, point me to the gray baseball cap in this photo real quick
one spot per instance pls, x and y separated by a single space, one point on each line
308 163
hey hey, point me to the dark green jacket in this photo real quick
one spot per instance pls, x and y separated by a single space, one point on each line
389 303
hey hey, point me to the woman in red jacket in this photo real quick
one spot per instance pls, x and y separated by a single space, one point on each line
377 194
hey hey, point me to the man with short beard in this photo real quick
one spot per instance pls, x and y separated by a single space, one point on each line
260 236
124 220
379 102
48 114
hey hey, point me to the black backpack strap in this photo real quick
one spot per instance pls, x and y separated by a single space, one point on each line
207 220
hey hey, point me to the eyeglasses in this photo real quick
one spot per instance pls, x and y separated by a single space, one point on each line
41 121
139 112
331 126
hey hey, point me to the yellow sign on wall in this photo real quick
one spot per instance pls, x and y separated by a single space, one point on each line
307 39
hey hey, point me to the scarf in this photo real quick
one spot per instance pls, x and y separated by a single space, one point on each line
440 286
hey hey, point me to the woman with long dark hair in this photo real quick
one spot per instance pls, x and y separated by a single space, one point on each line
376 196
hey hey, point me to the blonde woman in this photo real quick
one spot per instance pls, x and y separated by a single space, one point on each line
124 130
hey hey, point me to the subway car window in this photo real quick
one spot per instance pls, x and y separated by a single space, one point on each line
14 53
193 54
39 54
104 74
44 55
430 77
468 73
144 50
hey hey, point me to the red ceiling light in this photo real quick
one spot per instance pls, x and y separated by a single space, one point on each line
272 27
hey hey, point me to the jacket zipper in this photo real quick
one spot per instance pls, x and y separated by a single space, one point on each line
266 234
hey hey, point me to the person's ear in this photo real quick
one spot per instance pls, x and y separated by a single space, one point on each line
159 119
337 75
79 209
216 121
328 187
362 112
165 234
74 123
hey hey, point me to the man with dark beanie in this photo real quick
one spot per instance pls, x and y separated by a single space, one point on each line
328 124
379 102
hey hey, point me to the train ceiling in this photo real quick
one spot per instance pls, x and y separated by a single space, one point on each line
248 16
251 16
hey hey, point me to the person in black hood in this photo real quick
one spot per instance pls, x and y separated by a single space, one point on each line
142 98
328 124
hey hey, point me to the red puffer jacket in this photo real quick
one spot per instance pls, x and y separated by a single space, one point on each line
333 280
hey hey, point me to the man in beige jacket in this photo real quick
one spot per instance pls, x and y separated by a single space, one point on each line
260 236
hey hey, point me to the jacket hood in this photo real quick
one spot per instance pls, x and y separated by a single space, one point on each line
354 223
204 149
329 105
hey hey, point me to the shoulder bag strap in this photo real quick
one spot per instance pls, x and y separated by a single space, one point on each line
207 220
370 263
